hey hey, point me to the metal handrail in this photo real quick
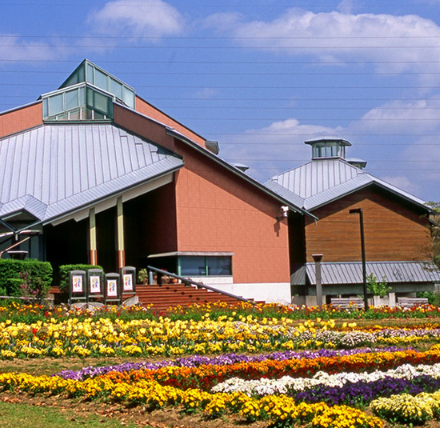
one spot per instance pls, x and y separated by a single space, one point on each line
188 281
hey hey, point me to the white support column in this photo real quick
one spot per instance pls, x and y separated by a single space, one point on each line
93 250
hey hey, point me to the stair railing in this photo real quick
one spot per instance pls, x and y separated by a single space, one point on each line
189 282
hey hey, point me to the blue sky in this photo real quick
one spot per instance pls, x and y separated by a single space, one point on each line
259 76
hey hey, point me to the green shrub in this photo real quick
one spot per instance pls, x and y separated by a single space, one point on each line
10 271
64 273
33 287
432 296
13 287
375 288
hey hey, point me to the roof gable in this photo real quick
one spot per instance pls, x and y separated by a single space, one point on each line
322 181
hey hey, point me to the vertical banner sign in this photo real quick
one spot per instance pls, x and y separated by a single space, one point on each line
95 284
128 282
77 284
112 288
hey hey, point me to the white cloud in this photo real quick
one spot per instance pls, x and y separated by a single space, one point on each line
394 43
404 183
410 166
14 48
346 6
425 154
402 116
138 18
262 149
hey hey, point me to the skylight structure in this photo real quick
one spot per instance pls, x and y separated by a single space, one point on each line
324 148
87 94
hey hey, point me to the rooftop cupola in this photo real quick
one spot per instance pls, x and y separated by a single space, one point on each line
328 147
358 163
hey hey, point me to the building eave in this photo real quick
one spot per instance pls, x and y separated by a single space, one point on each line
109 196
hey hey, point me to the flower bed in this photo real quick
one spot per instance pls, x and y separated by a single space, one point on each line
103 337
312 373
155 387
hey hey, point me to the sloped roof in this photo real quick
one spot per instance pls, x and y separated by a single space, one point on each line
351 272
53 169
322 181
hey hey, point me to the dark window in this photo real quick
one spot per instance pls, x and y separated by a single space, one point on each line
205 265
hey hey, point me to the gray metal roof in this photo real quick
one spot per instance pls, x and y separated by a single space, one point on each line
54 169
285 193
351 272
322 181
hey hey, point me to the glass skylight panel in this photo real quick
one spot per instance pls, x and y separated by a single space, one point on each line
90 74
100 80
77 100
77 104
55 104
128 97
71 100
101 102
116 88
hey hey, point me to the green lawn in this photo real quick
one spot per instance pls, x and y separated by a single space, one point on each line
22 416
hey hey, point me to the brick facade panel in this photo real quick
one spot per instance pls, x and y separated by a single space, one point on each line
217 211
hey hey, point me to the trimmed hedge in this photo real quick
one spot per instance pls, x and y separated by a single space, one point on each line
64 273
10 271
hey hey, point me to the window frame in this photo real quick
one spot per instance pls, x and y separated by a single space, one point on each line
206 266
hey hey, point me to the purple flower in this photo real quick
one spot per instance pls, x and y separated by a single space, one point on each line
227 359
363 392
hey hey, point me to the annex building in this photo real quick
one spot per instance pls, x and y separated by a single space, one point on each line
397 237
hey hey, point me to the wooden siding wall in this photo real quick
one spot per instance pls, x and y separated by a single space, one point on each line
393 230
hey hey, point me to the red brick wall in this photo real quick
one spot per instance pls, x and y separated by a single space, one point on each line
150 111
393 229
217 211
142 126
21 119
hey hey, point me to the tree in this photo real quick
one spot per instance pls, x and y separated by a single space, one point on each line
434 227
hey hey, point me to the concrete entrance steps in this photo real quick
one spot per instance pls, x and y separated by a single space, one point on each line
170 295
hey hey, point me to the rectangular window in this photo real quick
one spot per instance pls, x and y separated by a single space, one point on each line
116 88
205 265
90 74
71 99
193 265
55 104
100 80
99 102
128 97
219 266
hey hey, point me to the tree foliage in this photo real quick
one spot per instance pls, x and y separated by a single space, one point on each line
435 230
